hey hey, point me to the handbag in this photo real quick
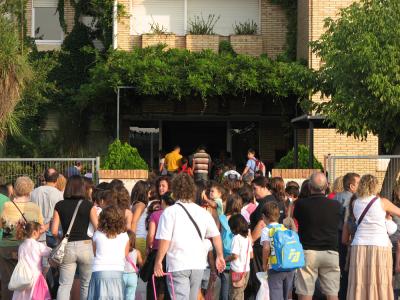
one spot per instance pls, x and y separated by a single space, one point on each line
22 277
57 254
147 269
239 278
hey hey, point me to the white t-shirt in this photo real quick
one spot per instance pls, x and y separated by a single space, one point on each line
128 266
110 253
265 234
241 246
185 247
208 247
90 230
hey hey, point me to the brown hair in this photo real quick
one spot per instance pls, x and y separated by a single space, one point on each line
261 181
183 188
121 197
162 178
234 205
132 240
112 221
271 211
75 188
348 179
23 186
232 186
277 187
25 229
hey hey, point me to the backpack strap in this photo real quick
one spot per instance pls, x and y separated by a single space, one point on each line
132 264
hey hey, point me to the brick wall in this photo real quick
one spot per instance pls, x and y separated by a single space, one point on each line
247 44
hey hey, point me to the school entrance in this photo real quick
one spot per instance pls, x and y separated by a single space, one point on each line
234 137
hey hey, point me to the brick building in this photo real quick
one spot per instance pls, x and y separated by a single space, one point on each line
160 124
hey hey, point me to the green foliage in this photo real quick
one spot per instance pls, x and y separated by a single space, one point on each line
177 74
123 157
156 28
287 162
225 47
200 26
361 70
246 28
290 7
61 18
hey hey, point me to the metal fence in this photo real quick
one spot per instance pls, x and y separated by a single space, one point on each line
384 167
12 168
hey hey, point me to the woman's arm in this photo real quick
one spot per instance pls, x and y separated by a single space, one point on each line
128 219
151 233
389 207
139 259
397 265
256 233
55 224
136 213
94 219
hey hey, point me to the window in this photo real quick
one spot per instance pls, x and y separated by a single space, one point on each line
46 26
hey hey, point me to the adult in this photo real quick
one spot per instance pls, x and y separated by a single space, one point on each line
139 201
337 187
350 184
4 197
152 248
162 168
78 251
46 197
76 169
181 231
249 205
14 211
370 274
123 201
173 160
61 183
201 164
318 219
263 195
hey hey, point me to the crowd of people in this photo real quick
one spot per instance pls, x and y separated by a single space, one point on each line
189 237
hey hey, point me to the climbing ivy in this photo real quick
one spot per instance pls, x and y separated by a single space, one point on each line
290 8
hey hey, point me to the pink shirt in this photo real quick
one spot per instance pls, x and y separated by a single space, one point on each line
155 217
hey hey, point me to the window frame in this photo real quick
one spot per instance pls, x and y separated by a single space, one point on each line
39 41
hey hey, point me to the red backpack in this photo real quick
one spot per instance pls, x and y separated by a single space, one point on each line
259 166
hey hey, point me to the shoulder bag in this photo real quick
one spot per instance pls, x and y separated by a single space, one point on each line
366 209
22 277
57 254
239 278
191 219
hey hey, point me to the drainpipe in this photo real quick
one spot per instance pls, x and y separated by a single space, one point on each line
115 25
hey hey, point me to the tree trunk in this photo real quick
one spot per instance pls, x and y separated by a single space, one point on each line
392 172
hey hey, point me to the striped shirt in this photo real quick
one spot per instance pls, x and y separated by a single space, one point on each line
202 161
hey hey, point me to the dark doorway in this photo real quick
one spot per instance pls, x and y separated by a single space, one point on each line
190 134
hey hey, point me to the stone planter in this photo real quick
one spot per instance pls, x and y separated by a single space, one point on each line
202 42
156 39
247 44
128 177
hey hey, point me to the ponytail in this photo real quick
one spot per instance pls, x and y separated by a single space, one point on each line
25 229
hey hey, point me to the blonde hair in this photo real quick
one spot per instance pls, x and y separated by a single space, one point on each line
338 185
368 186
23 186
61 183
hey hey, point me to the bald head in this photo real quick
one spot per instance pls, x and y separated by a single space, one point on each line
51 175
318 183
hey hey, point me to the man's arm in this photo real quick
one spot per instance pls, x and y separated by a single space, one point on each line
163 246
219 261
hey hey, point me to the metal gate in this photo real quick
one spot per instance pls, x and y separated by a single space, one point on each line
377 165
12 168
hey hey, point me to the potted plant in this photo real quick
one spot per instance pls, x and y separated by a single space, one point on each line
246 39
201 34
285 167
125 163
158 35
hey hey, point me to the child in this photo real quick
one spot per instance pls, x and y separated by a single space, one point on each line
132 261
280 283
32 252
251 166
210 274
242 252
217 193
111 247
185 168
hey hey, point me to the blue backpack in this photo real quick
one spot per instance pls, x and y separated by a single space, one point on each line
286 250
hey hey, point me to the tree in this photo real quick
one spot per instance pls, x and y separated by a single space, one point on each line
15 72
361 71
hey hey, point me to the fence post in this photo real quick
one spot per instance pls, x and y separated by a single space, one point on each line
97 169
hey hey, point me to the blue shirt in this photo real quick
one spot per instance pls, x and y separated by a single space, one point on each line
251 164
